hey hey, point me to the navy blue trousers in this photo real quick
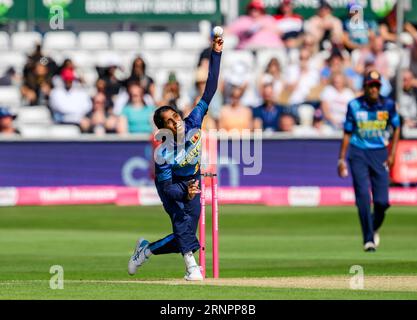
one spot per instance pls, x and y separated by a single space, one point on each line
184 218
369 173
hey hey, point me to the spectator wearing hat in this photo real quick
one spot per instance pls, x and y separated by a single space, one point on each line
289 24
69 104
235 115
325 26
6 122
256 29
171 94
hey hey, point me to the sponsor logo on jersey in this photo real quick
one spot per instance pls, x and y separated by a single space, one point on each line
362 115
382 115
195 138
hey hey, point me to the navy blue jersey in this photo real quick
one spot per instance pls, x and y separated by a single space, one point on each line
369 124
183 162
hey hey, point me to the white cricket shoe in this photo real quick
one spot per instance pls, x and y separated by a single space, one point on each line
139 257
369 247
194 274
377 239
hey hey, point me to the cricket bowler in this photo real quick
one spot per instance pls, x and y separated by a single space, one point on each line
367 127
177 177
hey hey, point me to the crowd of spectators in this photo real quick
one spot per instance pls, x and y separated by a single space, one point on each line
307 93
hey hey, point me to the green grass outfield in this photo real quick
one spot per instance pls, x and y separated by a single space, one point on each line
94 243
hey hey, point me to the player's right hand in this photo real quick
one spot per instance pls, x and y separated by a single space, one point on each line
193 189
218 44
342 169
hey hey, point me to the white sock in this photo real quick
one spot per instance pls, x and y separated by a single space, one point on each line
148 252
189 260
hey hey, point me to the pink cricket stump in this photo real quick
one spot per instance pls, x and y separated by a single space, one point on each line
202 227
215 225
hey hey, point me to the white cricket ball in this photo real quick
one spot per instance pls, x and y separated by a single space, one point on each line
218 31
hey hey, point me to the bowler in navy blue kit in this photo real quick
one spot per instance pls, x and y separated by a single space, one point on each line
369 120
177 171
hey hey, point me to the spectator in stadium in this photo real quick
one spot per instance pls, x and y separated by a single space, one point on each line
301 79
107 72
319 125
286 123
357 31
211 119
171 94
413 56
408 104
69 104
101 119
273 74
256 29
37 84
334 100
138 73
388 27
338 63
289 24
325 27
9 78
239 75
67 64
235 116
374 53
136 116
36 56
6 122
266 115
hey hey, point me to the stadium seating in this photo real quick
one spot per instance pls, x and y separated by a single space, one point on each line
62 40
232 56
126 40
34 115
25 41
13 59
10 97
53 131
4 41
156 41
190 41
96 40
64 131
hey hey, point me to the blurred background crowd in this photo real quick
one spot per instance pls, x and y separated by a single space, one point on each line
280 73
